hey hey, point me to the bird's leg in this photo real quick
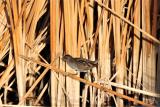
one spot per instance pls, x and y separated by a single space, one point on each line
92 76
88 76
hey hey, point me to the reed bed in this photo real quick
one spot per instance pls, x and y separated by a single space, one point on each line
120 34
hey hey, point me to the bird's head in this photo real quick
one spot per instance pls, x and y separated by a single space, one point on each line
66 57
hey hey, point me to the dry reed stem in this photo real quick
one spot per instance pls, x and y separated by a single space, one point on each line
2 5
154 20
134 89
84 96
16 30
11 83
53 45
6 73
70 21
146 47
48 66
81 38
61 79
17 9
130 23
84 26
97 29
82 46
33 86
118 49
38 80
7 87
104 33
41 94
136 43
153 48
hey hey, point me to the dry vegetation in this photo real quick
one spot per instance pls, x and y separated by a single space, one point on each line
120 34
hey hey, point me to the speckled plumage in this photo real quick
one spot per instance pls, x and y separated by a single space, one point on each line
79 64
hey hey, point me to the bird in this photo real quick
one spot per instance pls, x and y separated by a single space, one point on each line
79 64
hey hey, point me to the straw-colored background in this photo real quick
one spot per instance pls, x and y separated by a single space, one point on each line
121 34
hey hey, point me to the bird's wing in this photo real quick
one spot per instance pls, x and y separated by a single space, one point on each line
85 62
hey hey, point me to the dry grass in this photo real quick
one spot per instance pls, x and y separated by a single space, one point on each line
120 34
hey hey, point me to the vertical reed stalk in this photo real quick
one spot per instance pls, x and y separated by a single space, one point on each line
145 45
53 20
